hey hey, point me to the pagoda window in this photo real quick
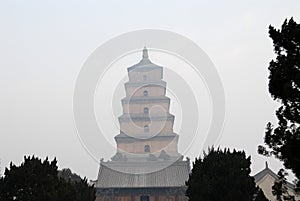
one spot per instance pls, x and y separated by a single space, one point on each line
146 110
146 129
145 77
147 148
145 93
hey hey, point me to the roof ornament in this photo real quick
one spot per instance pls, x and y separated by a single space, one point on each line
267 167
145 53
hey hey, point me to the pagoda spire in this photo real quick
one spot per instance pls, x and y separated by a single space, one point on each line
145 53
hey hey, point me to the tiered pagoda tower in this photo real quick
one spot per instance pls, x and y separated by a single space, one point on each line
146 126
147 165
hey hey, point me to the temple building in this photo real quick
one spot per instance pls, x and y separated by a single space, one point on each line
147 165
265 180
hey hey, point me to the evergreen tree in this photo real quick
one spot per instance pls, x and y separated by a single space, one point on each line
36 180
279 189
67 175
283 140
222 175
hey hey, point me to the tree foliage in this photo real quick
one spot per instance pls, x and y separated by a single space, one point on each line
283 140
37 180
222 175
279 189
67 175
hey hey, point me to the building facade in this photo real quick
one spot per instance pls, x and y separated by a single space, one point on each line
147 165
265 180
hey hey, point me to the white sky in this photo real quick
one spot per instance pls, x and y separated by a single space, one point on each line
43 45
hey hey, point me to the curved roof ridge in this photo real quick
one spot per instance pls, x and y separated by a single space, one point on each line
145 62
267 171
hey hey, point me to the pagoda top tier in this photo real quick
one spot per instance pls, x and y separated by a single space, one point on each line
145 63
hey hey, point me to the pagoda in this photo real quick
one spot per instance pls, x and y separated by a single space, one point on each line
147 165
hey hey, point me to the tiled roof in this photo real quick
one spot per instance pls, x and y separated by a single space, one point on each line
131 138
148 99
143 117
267 171
146 136
140 175
148 83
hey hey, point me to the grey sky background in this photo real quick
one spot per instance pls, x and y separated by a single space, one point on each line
45 43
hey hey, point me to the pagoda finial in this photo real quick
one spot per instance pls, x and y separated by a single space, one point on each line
145 53
267 165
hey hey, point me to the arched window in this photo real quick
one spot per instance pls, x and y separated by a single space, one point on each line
146 110
146 148
145 77
145 93
146 129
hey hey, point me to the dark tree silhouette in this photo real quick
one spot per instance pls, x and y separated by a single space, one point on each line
283 140
222 175
37 180
279 189
67 175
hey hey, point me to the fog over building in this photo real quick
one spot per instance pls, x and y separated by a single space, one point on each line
147 165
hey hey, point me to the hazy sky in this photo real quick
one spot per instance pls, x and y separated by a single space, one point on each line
43 45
